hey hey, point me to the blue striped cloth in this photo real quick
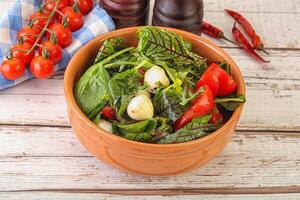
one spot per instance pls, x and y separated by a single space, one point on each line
96 23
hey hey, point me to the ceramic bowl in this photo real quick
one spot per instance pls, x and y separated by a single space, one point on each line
142 158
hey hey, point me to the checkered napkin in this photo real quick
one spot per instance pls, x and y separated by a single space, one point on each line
96 23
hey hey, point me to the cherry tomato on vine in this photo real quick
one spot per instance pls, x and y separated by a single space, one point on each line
85 6
39 19
53 49
28 34
62 34
19 51
74 18
109 112
13 68
50 4
41 67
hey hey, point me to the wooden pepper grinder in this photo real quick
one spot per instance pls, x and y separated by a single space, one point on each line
126 13
181 14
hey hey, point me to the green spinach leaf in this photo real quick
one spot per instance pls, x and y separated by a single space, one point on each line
197 128
231 103
139 131
166 101
110 47
91 91
122 88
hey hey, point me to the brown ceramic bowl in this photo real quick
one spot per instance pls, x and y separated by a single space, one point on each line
143 158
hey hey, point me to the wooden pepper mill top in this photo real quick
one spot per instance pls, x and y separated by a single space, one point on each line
127 13
182 14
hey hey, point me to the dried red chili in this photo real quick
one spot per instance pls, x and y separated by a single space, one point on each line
242 40
255 39
213 31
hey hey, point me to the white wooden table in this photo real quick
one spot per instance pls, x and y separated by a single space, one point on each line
40 158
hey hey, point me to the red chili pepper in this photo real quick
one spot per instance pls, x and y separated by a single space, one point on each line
220 83
109 112
204 104
255 39
242 40
213 31
216 116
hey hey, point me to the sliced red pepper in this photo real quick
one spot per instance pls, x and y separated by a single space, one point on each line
204 104
109 112
221 83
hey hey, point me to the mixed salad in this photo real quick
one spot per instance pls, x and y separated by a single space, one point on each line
158 92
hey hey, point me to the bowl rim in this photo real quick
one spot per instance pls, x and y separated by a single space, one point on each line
71 102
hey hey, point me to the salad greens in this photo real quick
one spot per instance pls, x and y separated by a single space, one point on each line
118 77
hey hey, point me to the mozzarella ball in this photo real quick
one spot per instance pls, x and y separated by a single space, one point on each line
140 108
156 76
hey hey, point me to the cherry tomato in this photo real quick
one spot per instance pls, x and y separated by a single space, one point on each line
216 116
13 68
74 18
49 5
19 52
227 84
29 34
53 49
62 34
109 112
218 80
209 78
39 19
204 104
41 67
85 6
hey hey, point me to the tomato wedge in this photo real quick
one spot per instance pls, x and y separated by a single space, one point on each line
204 104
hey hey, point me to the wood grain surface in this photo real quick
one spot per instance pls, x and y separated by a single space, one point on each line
40 158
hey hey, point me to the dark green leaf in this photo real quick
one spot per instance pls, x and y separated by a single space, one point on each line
140 131
163 45
166 102
197 128
163 128
122 87
110 47
231 103
91 91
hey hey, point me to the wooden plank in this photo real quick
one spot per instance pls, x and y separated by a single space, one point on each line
91 196
277 30
268 92
34 158
257 6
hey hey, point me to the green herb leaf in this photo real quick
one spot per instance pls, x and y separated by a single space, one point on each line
91 91
140 131
231 103
163 45
122 88
110 47
197 128
163 128
166 101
